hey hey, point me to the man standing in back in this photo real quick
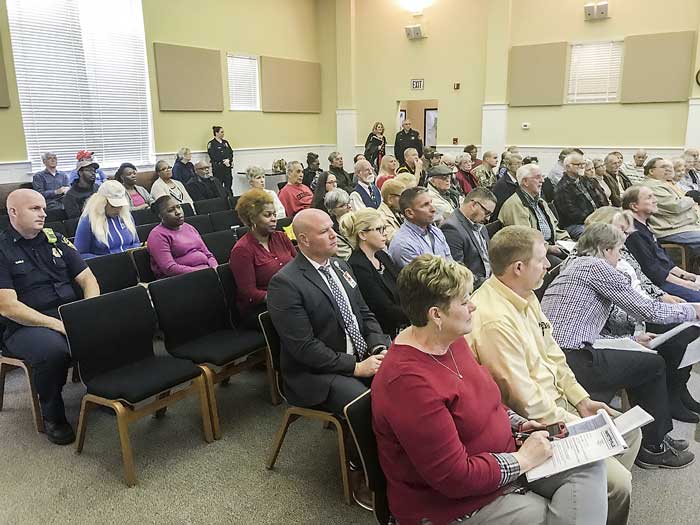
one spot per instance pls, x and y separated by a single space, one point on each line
407 138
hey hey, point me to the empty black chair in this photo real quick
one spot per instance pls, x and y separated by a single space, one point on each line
283 223
142 262
281 185
9 363
144 230
241 231
114 353
144 216
220 244
55 215
211 205
494 227
71 225
293 412
192 313
202 223
58 226
358 414
224 220
113 272
187 209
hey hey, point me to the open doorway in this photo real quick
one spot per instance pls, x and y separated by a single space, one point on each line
423 115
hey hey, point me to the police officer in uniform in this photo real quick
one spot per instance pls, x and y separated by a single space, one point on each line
221 155
407 138
37 271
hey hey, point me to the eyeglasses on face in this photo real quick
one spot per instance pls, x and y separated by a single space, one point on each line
487 212
166 168
380 229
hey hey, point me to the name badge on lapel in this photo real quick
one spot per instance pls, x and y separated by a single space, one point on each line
346 275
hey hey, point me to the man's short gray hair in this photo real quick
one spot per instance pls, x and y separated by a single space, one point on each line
46 155
335 198
525 171
334 155
253 172
290 166
599 237
183 151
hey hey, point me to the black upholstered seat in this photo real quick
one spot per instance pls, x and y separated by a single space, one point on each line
211 205
202 223
114 272
224 220
220 244
220 347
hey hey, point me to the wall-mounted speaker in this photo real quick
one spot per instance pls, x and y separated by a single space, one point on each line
415 32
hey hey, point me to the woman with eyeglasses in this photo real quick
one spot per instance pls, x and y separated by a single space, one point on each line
374 270
166 185
337 204
326 182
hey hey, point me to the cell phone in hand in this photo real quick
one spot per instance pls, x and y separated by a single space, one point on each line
557 430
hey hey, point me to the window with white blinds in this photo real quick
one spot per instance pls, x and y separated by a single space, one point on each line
594 72
243 83
82 79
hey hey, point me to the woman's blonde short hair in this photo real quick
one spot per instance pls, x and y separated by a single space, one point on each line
430 281
251 204
392 186
351 224
253 172
377 124
94 210
384 164
611 215
407 179
599 237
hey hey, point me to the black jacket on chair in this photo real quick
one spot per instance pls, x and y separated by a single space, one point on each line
201 189
572 205
461 239
379 291
311 328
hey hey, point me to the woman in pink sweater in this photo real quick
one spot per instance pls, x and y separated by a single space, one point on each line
175 246
444 439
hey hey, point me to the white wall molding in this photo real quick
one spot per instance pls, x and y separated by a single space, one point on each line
346 135
494 126
692 133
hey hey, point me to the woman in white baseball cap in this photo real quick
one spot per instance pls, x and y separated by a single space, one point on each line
106 225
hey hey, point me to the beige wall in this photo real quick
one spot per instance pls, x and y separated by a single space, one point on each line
11 128
387 61
259 27
415 112
599 124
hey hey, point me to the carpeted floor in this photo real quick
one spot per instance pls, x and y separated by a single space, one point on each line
181 479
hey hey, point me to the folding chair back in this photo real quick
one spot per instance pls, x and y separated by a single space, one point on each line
202 223
143 230
224 220
142 262
144 216
211 205
220 244
114 272
71 225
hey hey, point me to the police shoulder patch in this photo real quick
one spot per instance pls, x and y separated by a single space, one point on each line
50 235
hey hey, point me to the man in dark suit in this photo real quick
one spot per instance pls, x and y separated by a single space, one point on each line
407 138
466 235
330 340
614 178
204 185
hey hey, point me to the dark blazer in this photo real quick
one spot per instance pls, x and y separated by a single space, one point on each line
311 329
462 242
572 205
615 197
503 190
201 189
379 291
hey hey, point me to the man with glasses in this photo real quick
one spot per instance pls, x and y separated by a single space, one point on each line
466 235
526 208
50 182
677 219
203 185
389 208
575 196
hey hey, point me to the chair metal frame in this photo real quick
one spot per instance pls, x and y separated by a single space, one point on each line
292 413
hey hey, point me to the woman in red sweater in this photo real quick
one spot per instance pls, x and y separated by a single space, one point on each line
258 255
444 439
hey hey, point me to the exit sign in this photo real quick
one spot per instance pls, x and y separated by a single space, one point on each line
417 83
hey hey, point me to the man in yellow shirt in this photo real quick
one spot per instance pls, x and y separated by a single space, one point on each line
513 339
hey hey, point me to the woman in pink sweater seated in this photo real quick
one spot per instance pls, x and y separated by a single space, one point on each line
175 246
444 439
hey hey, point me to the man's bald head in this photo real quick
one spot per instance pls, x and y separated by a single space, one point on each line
26 209
314 232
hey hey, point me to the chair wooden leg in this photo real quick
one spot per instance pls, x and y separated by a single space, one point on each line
36 407
343 461
3 373
271 382
161 411
127 454
212 404
85 407
204 408
289 418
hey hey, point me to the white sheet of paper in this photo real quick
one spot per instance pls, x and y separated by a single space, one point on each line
662 338
621 343
692 354
635 417
567 245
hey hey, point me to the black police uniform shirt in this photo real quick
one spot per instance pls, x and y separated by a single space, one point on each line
405 140
40 270
218 151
